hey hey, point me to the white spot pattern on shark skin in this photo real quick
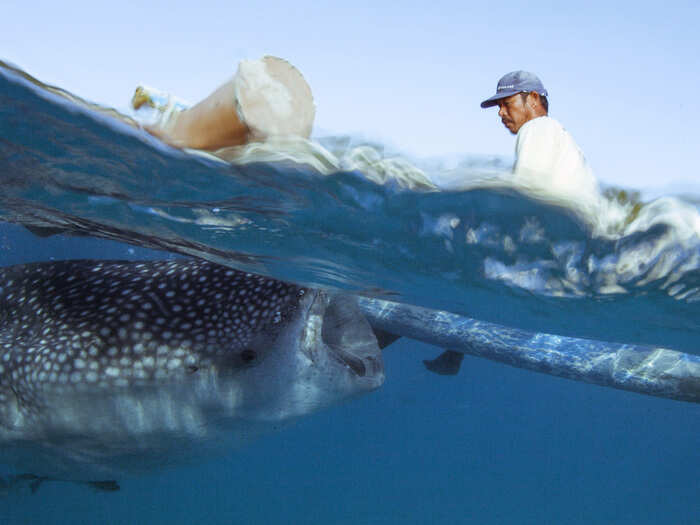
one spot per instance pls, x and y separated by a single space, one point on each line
158 355
111 289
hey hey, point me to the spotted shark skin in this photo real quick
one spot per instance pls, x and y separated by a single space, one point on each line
110 368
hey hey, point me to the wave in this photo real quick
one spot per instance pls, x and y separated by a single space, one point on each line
337 213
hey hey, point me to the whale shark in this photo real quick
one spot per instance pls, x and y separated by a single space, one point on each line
114 368
111 368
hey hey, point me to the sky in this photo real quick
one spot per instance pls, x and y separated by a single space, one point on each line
621 76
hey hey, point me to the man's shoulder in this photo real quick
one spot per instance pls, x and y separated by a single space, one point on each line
543 123
543 130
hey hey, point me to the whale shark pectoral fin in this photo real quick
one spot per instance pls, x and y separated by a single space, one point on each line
44 231
50 231
447 363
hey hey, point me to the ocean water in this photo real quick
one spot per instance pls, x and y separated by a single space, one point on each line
494 444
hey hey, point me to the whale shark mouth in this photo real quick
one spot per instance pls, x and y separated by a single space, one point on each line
362 367
350 339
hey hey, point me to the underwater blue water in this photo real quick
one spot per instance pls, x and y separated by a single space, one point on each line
494 445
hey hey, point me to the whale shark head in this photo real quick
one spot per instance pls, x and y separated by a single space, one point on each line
114 367
326 353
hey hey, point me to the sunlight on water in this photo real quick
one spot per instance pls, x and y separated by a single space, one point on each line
348 214
455 234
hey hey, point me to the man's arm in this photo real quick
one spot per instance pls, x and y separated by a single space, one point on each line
266 98
210 124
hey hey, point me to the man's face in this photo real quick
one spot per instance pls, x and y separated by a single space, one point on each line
514 112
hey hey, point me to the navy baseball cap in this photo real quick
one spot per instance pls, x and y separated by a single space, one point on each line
515 82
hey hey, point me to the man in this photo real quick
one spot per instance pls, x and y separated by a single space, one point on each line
548 162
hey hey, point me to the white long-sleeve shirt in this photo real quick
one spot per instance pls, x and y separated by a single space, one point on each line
549 163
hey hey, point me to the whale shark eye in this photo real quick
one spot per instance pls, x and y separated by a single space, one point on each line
248 355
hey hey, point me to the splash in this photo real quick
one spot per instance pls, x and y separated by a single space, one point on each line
340 213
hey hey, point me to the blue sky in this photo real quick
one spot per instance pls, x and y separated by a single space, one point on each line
621 75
